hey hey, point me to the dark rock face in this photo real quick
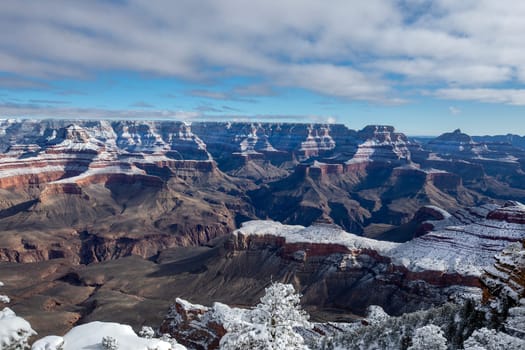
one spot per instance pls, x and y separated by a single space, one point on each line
504 290
506 279
509 139
512 212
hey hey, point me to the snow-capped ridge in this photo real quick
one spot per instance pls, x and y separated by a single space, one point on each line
319 233
464 242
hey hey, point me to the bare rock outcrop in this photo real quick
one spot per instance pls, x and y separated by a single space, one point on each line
195 326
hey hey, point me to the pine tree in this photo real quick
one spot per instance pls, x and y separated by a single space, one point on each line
109 343
429 337
489 339
146 332
14 330
270 325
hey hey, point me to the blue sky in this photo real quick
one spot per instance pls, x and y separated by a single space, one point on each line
425 67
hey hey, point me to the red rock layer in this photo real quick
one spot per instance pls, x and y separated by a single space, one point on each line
289 251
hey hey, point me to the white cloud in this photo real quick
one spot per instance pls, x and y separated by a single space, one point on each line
224 113
451 72
331 120
504 96
338 48
454 110
39 110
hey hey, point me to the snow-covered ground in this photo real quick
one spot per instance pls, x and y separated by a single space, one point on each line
326 234
464 244
89 336
13 329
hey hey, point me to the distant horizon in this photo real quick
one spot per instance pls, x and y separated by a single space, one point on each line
252 121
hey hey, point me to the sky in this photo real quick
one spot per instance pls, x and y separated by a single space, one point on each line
426 67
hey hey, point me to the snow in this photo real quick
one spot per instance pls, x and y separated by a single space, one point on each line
325 234
270 325
489 339
376 315
4 298
51 342
464 242
89 336
13 329
225 314
75 146
189 306
429 337
443 212
454 247
125 169
29 171
466 249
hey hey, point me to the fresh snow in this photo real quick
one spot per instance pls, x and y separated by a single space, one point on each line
466 249
51 342
325 234
189 306
125 169
13 329
89 336
4 298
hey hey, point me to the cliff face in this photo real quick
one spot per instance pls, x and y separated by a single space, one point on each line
335 269
356 266
275 142
504 290
487 165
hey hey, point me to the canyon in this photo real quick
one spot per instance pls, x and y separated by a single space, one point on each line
112 220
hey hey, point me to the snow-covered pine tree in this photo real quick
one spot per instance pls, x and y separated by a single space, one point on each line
376 315
489 339
14 330
146 332
429 337
270 325
109 343
4 298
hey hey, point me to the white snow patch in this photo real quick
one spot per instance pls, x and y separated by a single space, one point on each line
51 342
13 329
313 234
89 336
466 249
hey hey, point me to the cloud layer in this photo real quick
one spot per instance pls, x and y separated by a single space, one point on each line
356 50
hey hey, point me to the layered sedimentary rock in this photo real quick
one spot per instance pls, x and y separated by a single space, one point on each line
504 290
454 143
117 218
512 139
480 231
486 166
103 179
383 144
295 173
